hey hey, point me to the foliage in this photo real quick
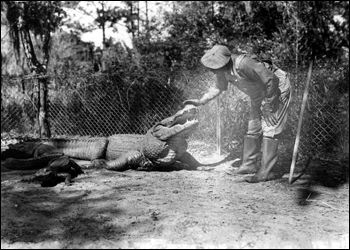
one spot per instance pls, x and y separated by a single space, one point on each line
69 53
39 17
280 28
289 31
321 32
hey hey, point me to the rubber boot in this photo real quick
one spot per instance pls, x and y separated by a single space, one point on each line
251 150
268 162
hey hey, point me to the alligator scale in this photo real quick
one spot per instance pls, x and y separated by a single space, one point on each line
163 145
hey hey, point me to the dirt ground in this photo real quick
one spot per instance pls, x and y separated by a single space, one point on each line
170 209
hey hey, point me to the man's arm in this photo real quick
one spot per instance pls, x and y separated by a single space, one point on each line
213 92
270 103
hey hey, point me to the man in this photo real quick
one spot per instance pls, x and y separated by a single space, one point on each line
270 94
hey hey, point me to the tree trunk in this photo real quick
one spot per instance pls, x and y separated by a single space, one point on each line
147 22
138 18
132 20
39 72
103 24
44 125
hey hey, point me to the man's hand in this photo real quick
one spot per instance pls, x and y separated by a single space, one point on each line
270 118
195 102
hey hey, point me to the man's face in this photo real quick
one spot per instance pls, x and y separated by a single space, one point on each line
218 71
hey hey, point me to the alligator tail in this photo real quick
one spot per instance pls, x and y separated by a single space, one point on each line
188 159
31 163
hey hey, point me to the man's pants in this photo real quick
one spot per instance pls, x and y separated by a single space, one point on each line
257 124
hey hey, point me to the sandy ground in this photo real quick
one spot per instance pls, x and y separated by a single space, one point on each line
173 209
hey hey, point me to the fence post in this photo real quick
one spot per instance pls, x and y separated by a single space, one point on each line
297 138
218 126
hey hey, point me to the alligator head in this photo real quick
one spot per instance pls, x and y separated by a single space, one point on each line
181 125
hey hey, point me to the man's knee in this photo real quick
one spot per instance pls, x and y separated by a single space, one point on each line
256 135
269 132
254 128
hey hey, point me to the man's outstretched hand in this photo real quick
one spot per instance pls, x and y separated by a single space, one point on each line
195 102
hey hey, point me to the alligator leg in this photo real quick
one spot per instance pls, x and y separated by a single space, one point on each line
188 159
67 177
126 161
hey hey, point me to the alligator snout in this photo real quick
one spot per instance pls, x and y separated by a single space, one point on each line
188 113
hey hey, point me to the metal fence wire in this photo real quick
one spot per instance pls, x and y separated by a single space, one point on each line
325 129
95 104
105 104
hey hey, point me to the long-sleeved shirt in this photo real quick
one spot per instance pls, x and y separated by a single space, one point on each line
254 79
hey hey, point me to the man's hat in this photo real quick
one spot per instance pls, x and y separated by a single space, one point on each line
216 57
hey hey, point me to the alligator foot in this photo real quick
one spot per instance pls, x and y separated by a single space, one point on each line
94 164
87 166
67 177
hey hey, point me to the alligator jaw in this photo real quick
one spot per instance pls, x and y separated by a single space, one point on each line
189 112
182 131
181 125
180 117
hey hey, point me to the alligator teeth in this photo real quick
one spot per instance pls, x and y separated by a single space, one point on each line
192 120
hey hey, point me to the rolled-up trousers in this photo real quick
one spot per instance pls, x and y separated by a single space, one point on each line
257 124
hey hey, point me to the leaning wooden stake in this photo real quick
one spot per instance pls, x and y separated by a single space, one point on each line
218 127
297 139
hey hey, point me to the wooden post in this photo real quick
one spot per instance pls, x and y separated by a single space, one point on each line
218 126
297 139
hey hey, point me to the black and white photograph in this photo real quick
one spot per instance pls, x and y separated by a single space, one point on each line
174 124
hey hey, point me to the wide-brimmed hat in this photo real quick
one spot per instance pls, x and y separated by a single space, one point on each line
216 57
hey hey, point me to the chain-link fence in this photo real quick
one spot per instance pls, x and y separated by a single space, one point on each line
98 104
106 104
325 128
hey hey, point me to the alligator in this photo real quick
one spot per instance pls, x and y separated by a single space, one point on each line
58 170
163 145
29 155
